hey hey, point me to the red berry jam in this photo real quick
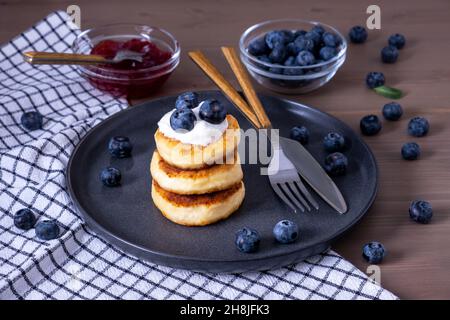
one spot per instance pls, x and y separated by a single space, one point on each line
129 78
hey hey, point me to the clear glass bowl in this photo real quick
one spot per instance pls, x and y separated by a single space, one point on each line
311 78
129 83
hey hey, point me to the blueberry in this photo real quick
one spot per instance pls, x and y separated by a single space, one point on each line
418 127
299 33
327 53
300 133
370 125
389 54
212 111
336 164
120 147
330 39
24 219
187 99
292 62
420 211
182 120
247 240
373 252
410 151
285 231
258 46
314 36
47 230
397 40
392 111
274 38
318 29
278 53
289 36
375 79
32 120
300 44
305 58
263 58
333 142
357 34
110 176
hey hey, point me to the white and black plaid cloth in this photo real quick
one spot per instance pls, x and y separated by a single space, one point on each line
81 265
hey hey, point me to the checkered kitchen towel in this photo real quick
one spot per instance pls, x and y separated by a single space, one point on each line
81 265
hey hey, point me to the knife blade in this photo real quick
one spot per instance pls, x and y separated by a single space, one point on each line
313 173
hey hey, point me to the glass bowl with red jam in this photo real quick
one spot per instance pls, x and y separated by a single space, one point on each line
159 50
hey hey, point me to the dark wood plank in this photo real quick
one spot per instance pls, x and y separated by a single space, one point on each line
419 261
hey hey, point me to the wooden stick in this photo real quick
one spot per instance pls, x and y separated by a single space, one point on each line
200 59
246 85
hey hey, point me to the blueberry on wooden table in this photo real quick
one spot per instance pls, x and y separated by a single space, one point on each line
357 34
110 176
375 79
24 219
410 151
187 100
418 127
370 125
300 134
392 111
120 147
397 40
333 142
374 252
212 111
285 231
31 120
47 230
421 211
336 164
389 54
247 240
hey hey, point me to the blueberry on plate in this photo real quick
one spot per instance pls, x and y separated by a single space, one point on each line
31 120
24 219
327 53
182 120
336 164
374 252
418 127
410 151
47 230
274 38
110 176
389 54
278 54
420 211
330 39
285 231
187 99
357 34
247 240
305 58
212 111
397 40
375 79
333 142
392 111
258 46
120 147
300 134
370 125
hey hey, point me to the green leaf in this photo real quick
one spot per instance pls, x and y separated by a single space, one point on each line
389 92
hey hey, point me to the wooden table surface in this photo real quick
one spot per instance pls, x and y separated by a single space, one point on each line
418 262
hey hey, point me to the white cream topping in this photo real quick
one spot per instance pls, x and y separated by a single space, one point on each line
202 134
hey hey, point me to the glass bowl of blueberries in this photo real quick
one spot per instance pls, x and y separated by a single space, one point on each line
292 56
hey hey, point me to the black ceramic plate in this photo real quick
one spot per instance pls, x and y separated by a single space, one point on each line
127 218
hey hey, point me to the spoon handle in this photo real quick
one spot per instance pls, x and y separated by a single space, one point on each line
34 57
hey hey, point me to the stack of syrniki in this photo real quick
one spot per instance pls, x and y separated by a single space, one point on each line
196 170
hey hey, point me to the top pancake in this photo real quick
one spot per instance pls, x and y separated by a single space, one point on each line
188 156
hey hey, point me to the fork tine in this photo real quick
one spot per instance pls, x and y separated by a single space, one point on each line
291 197
299 196
306 193
282 196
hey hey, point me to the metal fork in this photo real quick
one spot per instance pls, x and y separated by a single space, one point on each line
287 184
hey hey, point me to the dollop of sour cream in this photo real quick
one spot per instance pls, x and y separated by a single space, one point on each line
203 134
